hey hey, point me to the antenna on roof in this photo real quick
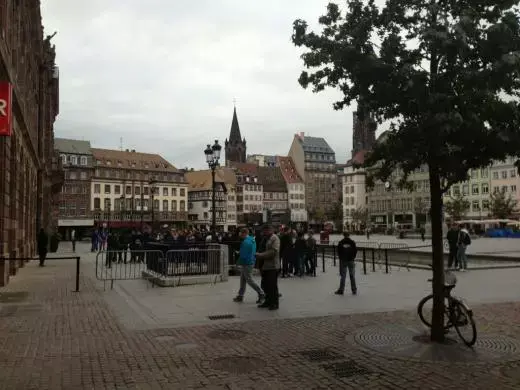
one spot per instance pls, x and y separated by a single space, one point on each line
121 143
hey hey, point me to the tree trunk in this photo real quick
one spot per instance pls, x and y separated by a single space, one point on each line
437 333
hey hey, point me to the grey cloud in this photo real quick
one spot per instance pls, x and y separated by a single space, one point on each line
163 75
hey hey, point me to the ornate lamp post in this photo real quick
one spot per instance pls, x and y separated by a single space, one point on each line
212 154
152 183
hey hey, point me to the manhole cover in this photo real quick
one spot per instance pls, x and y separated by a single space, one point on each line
400 341
13 297
237 364
221 317
321 355
346 369
227 334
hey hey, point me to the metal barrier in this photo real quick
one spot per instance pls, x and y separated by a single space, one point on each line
126 265
385 246
136 264
77 258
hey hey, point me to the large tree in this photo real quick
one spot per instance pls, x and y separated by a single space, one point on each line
457 207
502 206
444 73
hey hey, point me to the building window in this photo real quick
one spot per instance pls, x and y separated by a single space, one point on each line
475 205
128 190
137 191
165 205
97 188
97 203
495 175
72 175
504 189
117 189
64 159
512 173
183 192
496 190
485 205
504 174
475 189
513 189
156 204
73 160
83 175
465 189
83 160
485 188
174 191
145 191
107 204
174 205
107 188
165 191
483 173
182 205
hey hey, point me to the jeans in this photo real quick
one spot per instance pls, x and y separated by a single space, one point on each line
246 278
461 255
453 257
343 266
298 267
270 286
310 263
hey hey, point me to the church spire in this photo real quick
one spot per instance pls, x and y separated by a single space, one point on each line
234 134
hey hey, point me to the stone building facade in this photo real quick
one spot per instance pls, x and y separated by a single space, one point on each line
73 208
30 176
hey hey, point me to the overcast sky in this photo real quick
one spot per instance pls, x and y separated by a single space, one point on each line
162 74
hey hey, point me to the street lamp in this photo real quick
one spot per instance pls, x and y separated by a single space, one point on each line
212 158
152 183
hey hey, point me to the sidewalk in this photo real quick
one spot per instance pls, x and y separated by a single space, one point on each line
55 338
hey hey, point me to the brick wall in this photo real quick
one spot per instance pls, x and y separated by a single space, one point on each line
27 61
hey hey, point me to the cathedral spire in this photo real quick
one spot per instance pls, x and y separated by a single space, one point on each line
234 134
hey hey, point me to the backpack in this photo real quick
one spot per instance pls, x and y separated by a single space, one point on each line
466 240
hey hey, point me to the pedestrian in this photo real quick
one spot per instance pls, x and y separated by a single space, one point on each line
453 240
246 261
347 251
423 233
270 259
285 244
367 231
42 244
73 239
311 258
300 251
464 240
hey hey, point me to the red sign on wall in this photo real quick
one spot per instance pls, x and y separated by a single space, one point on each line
6 102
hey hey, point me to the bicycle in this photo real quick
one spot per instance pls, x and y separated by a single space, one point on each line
457 314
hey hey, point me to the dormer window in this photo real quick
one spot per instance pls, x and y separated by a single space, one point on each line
247 179
119 163
255 179
109 162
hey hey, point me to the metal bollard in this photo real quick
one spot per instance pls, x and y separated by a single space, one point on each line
373 260
364 261
386 260
334 253
77 274
323 259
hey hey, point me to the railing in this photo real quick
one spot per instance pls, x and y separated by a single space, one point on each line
383 254
159 261
126 215
77 258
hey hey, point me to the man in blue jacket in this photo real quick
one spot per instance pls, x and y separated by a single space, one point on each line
247 262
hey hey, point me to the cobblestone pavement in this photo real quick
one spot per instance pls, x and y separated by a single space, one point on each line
59 339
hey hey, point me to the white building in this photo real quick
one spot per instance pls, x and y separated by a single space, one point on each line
295 190
200 199
354 191
131 188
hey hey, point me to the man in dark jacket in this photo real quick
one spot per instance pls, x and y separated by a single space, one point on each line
453 237
285 244
42 244
347 251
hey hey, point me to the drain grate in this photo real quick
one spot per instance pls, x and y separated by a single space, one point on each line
321 355
227 334
346 369
221 317
13 297
238 364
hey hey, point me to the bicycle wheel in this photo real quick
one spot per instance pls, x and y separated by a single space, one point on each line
464 323
425 311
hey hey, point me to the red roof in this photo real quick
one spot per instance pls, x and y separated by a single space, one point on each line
244 168
289 172
359 158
